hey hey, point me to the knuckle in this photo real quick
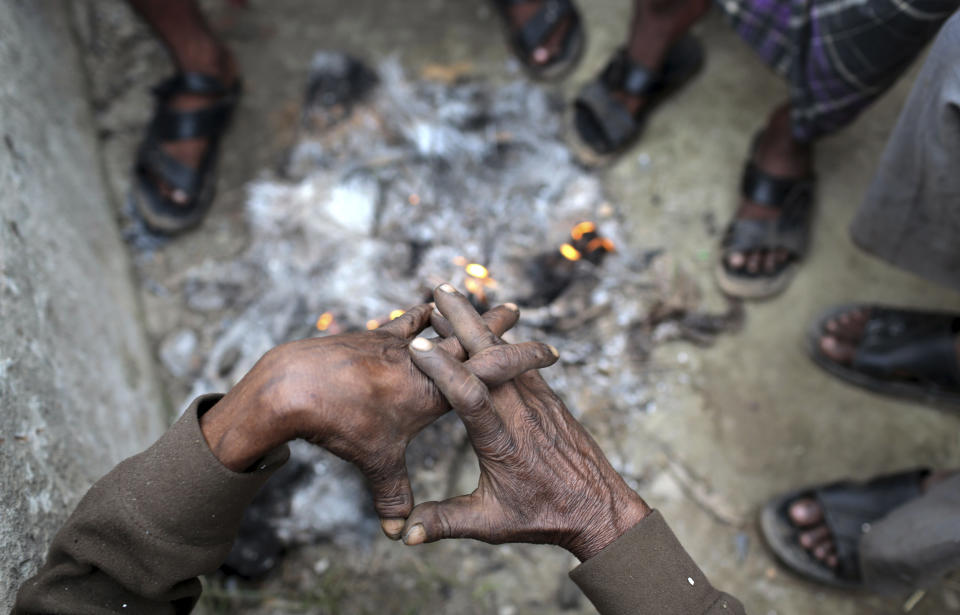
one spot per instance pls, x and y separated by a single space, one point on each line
473 395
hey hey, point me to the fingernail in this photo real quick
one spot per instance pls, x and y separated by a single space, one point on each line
415 535
422 344
554 350
512 307
437 312
392 528
432 305
448 289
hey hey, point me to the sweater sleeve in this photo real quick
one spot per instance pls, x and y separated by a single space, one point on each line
142 535
647 572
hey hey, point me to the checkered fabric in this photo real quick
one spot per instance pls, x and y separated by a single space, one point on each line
837 55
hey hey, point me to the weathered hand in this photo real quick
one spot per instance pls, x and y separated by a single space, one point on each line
543 479
357 395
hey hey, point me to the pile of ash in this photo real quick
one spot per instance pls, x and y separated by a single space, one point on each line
396 185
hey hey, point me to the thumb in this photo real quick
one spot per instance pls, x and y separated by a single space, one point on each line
392 496
459 517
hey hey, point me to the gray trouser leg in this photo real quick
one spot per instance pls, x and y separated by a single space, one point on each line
911 215
916 544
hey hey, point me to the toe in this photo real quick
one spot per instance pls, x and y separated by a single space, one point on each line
837 350
770 263
736 260
811 538
822 550
805 513
541 55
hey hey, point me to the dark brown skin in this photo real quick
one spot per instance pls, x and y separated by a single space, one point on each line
543 479
358 395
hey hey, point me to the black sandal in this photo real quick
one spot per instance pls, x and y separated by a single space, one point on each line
905 353
848 509
525 39
790 231
602 124
154 166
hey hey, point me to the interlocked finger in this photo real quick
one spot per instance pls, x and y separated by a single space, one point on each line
468 325
469 397
499 320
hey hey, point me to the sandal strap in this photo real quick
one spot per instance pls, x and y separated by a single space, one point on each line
921 344
850 508
625 75
536 30
772 191
617 123
191 83
177 125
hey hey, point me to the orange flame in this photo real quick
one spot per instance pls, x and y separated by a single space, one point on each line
475 287
569 252
582 229
601 242
477 270
324 322
372 324
396 314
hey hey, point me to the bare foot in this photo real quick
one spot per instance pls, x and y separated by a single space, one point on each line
552 47
816 539
218 63
844 333
780 155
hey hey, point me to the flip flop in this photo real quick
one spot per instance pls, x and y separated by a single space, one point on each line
602 125
849 508
904 353
154 166
790 231
535 32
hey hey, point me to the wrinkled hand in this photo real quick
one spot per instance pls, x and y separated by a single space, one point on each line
359 396
543 479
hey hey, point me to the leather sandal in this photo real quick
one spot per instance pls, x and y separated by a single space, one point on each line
904 353
535 32
790 231
602 124
848 510
154 167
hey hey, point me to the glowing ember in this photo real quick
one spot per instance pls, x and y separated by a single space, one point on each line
582 229
372 324
396 314
414 199
601 243
569 252
459 261
324 322
476 270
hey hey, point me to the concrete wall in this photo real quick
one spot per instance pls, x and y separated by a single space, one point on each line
77 389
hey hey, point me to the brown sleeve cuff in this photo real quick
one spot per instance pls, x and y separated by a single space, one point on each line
178 489
647 572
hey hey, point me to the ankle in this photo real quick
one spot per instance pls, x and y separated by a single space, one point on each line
208 57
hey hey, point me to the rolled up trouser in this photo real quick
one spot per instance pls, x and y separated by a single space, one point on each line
911 214
916 544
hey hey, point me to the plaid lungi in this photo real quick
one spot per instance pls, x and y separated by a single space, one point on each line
838 56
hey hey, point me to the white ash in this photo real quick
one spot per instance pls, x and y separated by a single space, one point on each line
373 209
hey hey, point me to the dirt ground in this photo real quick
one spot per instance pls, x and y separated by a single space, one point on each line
731 425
